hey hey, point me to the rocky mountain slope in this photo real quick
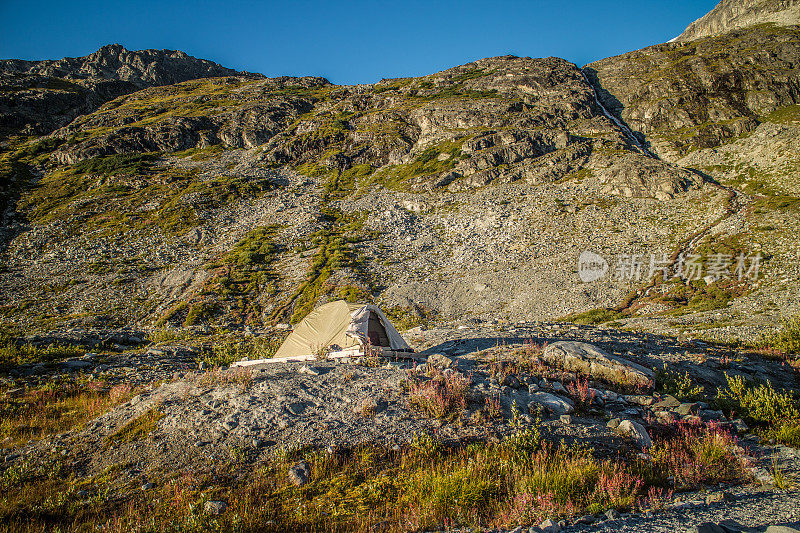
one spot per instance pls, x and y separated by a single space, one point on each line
38 96
731 15
468 193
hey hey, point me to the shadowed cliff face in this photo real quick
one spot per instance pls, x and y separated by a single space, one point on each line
37 97
731 15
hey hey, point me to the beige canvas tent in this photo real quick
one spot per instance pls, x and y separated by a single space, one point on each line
339 329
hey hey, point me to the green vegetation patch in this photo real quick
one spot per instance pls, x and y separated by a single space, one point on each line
426 163
13 353
774 413
128 164
789 114
245 275
594 316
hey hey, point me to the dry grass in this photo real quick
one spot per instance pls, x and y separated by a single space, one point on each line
241 377
54 408
423 486
138 428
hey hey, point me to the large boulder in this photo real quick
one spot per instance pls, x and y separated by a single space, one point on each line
636 431
592 361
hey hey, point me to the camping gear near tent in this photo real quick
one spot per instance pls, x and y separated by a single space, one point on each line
337 330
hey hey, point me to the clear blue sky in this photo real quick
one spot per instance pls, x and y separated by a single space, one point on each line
347 42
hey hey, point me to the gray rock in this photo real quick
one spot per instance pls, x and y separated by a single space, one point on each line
740 426
688 408
731 526
556 405
566 419
296 408
718 497
667 402
548 526
76 364
612 514
640 399
440 360
613 423
310 370
707 415
299 473
782 529
588 359
637 432
214 507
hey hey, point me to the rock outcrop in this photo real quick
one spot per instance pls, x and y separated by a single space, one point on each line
37 97
731 15
592 361
703 93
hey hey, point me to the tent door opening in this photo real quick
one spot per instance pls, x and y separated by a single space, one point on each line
376 332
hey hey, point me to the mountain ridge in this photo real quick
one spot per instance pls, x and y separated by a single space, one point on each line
37 97
731 15
469 192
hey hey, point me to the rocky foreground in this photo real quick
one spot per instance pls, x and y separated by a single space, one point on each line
574 384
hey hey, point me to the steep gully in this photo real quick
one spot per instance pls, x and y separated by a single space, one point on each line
621 125
686 245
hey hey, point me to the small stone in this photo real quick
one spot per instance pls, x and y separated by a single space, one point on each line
548 526
740 426
613 423
148 486
310 370
731 526
566 419
718 497
215 507
612 514
299 473
640 400
667 402
557 405
685 409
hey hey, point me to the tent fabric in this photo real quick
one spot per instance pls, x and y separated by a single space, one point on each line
339 326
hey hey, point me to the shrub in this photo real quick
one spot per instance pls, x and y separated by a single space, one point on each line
678 385
787 433
787 340
697 454
581 392
760 403
442 396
